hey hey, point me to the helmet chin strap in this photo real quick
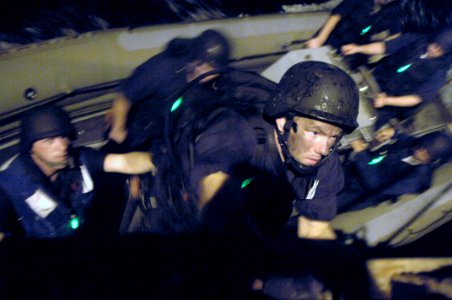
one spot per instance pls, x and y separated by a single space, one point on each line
292 163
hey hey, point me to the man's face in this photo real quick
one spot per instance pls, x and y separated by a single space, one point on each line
197 68
311 140
422 155
434 50
51 153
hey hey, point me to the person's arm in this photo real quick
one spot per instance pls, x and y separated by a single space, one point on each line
119 111
385 134
9 224
368 49
388 46
317 210
226 144
325 32
359 145
400 101
315 229
129 163
210 185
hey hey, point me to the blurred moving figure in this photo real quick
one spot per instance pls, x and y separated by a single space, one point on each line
361 22
138 109
205 77
404 166
411 75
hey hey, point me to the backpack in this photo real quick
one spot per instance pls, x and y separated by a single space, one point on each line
245 91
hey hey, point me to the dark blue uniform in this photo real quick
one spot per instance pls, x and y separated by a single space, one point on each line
359 23
357 16
45 208
150 88
406 72
371 181
261 188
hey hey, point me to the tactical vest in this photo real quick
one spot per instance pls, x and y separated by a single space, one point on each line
41 214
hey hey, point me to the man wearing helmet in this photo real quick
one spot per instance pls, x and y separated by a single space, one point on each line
239 178
221 158
313 105
48 187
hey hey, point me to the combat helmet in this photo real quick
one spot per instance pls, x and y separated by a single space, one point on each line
46 122
316 90
212 47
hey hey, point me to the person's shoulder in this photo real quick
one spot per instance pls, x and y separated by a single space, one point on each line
230 123
154 64
89 158
240 75
332 165
16 163
83 150
226 114
409 38
333 158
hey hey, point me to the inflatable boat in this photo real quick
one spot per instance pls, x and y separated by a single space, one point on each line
81 74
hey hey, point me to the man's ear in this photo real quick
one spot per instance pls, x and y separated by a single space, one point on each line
280 122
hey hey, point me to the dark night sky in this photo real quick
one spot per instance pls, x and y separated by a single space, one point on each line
16 14
24 21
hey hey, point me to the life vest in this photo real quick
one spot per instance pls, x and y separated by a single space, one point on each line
39 211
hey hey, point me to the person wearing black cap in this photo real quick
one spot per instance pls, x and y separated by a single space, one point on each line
411 75
49 185
353 21
358 21
137 111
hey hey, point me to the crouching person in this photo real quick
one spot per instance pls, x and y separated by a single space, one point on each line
46 190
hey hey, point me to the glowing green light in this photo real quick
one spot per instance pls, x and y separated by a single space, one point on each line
376 160
404 68
246 182
365 30
176 104
74 223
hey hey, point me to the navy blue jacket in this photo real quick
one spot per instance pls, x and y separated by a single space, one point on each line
373 177
405 72
45 208
358 15
150 88
231 143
